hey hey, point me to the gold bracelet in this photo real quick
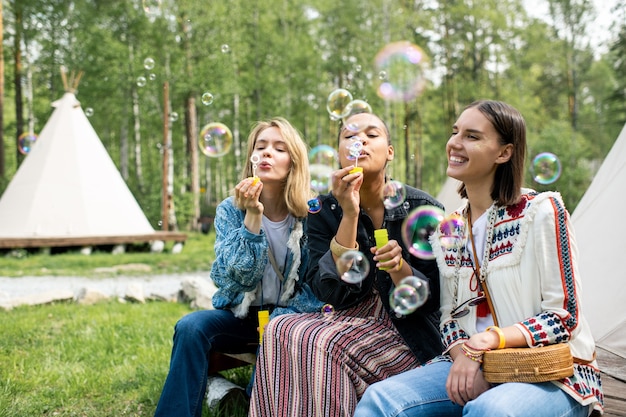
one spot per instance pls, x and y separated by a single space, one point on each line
501 338
339 250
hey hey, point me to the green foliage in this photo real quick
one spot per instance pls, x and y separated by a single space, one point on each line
287 63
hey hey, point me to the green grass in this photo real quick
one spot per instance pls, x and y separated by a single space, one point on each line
197 255
109 359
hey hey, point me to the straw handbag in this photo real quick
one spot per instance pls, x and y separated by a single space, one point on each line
547 363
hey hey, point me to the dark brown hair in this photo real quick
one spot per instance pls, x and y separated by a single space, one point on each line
511 128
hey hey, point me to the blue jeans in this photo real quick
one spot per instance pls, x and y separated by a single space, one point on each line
422 392
195 336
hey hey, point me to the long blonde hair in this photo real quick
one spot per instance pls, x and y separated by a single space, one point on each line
297 190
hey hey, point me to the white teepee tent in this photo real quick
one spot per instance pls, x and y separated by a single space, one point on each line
599 229
68 186
448 195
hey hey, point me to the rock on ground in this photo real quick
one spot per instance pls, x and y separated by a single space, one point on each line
196 289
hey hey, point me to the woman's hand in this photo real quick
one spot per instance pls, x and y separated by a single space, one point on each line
346 188
247 196
388 256
465 380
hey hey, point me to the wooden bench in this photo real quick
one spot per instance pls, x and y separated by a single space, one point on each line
223 361
613 369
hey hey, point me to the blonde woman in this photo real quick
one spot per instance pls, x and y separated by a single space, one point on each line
265 217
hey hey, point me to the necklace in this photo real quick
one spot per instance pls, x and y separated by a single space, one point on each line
481 272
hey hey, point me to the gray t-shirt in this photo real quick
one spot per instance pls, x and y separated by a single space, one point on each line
277 234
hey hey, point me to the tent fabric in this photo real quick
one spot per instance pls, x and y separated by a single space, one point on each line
68 186
598 239
448 195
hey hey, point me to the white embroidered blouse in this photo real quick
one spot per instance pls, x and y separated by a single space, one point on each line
530 268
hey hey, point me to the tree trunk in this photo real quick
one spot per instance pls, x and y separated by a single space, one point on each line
124 154
136 128
17 60
192 144
191 129
2 160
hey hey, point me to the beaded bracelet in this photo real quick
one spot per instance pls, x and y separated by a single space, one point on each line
474 354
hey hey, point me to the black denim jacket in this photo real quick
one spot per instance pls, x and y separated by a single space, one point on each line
420 329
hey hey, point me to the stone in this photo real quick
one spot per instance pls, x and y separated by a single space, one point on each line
87 296
43 298
134 293
199 292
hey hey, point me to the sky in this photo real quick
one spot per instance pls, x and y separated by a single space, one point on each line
599 28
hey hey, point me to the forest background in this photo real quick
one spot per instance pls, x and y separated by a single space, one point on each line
283 58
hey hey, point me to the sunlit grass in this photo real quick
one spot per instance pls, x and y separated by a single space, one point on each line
108 359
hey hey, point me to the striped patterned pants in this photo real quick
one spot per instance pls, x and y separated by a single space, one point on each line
319 364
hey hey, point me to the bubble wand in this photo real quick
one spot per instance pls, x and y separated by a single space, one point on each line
255 159
355 151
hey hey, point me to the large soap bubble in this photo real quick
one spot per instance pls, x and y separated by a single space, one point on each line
401 67
409 295
215 139
337 103
25 142
546 168
417 228
353 266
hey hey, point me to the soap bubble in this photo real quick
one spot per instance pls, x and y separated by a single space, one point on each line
401 67
323 154
353 266
207 99
151 7
88 112
546 168
320 178
148 63
173 116
328 309
355 107
354 149
419 225
152 76
315 205
337 103
215 139
25 142
451 229
409 295
141 81
225 49
394 194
